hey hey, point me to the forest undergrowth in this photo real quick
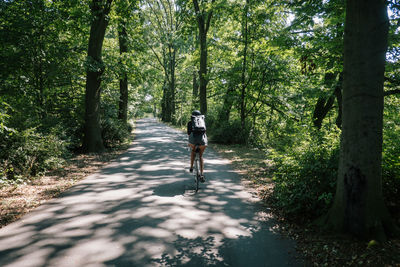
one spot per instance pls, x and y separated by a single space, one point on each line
17 199
318 248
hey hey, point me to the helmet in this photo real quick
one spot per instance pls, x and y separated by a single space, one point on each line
196 113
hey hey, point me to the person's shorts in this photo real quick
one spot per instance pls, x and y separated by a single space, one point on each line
198 139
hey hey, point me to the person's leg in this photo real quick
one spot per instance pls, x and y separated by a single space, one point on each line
202 148
192 155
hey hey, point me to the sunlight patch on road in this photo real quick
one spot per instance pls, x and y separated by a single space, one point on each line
88 252
35 258
153 232
216 161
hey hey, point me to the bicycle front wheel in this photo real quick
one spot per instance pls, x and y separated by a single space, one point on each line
197 173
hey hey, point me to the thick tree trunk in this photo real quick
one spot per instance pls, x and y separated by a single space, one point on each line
93 141
123 81
358 207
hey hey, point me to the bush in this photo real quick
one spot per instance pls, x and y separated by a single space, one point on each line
305 179
114 131
228 132
391 169
28 153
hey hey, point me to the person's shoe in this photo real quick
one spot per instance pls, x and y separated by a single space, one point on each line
191 170
202 178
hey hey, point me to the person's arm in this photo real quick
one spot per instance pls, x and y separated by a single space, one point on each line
189 127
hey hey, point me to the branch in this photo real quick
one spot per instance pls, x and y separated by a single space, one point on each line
391 92
159 61
209 18
299 32
199 17
272 106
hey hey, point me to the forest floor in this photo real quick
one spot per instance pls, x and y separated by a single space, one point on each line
319 249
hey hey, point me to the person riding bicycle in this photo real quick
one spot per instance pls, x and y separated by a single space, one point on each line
197 137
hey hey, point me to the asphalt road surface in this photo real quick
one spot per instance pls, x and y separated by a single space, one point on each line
142 210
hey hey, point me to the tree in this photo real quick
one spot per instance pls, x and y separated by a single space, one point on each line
123 81
358 207
244 67
203 18
93 141
164 21
125 15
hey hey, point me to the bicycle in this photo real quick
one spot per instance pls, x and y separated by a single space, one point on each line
196 167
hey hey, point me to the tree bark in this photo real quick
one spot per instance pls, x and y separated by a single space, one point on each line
324 105
203 22
123 81
195 93
358 207
164 102
244 67
321 109
338 94
92 141
172 59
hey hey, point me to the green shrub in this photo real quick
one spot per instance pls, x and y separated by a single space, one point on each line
305 179
391 168
28 153
114 131
228 132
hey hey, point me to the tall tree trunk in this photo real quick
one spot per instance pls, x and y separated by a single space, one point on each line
358 207
338 94
93 141
244 67
172 55
203 72
195 93
203 22
123 81
164 101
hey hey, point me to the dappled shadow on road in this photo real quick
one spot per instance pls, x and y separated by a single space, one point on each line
142 210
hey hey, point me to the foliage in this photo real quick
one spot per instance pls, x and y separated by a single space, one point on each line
114 131
391 171
391 151
305 177
29 153
226 132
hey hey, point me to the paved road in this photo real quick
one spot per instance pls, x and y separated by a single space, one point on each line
141 210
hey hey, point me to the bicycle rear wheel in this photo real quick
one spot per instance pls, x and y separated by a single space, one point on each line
197 164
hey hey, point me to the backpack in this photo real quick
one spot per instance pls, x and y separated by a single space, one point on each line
198 124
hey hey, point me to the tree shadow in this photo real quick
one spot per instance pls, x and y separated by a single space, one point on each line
140 210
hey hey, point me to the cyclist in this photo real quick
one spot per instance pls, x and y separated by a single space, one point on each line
198 138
